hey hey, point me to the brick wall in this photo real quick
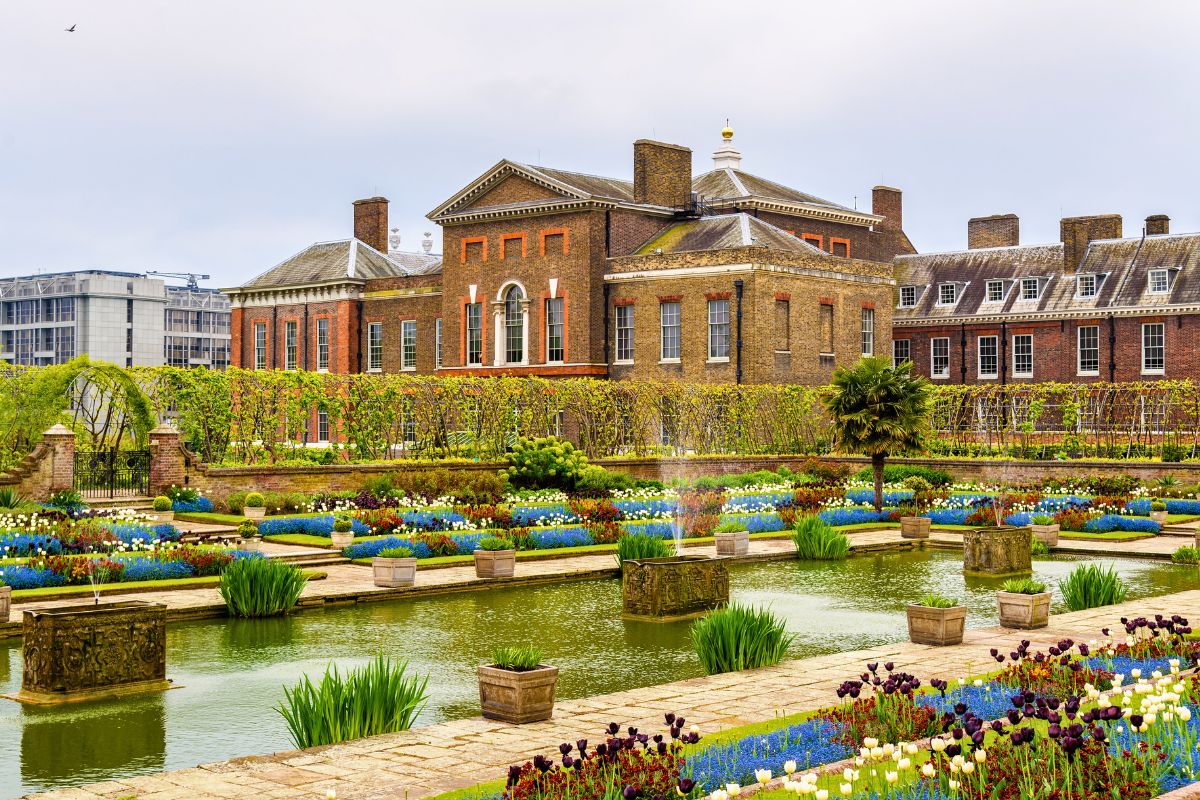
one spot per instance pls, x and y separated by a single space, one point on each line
662 173
1076 232
629 230
837 238
998 230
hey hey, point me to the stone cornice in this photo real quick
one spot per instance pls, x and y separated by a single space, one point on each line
802 209
1048 316
329 291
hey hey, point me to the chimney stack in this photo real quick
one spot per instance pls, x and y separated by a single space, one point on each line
998 230
1158 225
1076 232
662 173
371 222
887 202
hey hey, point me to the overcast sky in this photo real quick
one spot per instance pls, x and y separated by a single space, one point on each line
223 136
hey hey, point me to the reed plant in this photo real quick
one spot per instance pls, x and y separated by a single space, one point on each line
639 546
517 659
1023 586
260 587
378 697
739 637
932 600
1037 547
816 539
1092 586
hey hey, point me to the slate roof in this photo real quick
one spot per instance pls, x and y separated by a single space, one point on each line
733 184
1121 266
724 232
345 259
591 185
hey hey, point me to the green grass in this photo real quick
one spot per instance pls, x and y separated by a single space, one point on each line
739 637
1110 536
128 587
209 517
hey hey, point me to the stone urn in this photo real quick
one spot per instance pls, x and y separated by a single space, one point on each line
394 573
5 603
936 626
915 527
252 544
1047 534
732 543
254 513
516 696
495 564
997 551
1023 611
676 587
341 539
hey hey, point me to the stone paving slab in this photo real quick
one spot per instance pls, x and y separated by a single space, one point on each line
438 758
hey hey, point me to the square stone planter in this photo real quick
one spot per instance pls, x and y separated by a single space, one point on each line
341 540
495 563
1023 611
915 527
5 602
394 573
1048 534
517 697
733 543
936 626
164 516
1159 516
253 545
254 513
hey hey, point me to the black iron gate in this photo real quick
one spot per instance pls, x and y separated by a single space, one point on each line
112 473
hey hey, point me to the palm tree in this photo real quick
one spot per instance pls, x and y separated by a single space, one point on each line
878 410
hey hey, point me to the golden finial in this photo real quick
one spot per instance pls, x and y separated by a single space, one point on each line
727 132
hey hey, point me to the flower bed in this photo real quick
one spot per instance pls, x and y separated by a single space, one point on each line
312 526
167 563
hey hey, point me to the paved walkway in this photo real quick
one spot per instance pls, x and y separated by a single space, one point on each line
430 760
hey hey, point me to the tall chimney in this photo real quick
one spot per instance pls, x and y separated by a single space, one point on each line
1158 225
998 230
887 202
371 222
1076 232
662 173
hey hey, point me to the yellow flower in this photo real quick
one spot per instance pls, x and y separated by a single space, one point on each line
847 789
927 770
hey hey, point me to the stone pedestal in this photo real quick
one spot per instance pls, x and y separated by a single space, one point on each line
997 551
92 651
678 587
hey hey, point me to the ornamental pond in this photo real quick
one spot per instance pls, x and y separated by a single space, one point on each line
232 672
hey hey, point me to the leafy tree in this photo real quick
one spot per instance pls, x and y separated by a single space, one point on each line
879 410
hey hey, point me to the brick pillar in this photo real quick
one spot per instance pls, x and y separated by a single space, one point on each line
166 459
61 441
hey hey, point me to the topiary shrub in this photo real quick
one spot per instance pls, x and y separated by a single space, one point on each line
343 524
247 529
545 463
255 500
162 503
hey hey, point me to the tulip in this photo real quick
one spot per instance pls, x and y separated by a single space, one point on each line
733 789
927 770
789 767
821 794
847 789
981 755
762 775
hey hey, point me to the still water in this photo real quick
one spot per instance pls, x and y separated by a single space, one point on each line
232 671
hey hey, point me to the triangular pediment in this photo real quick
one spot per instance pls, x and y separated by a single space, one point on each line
507 183
513 189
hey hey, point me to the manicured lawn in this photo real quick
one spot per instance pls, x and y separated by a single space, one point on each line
53 592
214 518
1111 536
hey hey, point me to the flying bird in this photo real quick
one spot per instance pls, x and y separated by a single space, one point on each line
70 29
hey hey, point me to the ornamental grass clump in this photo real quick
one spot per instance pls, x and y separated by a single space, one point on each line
739 637
816 539
378 697
1185 555
639 547
1092 586
1023 586
260 587
517 659
495 544
394 552
932 600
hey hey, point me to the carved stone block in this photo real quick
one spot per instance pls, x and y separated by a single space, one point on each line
662 589
997 551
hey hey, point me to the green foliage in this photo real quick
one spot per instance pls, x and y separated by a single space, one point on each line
494 544
380 485
247 529
1092 586
730 527
255 500
817 540
1037 547
1042 519
596 479
394 552
639 547
517 659
11 497
545 463
260 587
1023 586
162 503
932 600
917 484
343 524
273 502
899 473
1174 453
1186 555
66 499
1157 505
376 698
739 637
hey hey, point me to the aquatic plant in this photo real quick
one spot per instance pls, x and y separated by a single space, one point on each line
260 587
638 547
816 539
739 637
1092 586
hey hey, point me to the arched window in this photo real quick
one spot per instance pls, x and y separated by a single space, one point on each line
514 326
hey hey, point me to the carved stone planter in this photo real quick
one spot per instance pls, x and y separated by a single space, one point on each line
678 587
1048 534
915 527
997 551
733 543
341 539
936 626
5 602
495 563
1023 611
91 651
517 697
254 513
1159 516
250 545
394 573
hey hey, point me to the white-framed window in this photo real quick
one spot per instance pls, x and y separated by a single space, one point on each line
908 296
474 333
668 317
322 426
437 343
514 326
1030 288
1154 348
1159 281
555 321
408 344
322 345
718 330
289 345
994 291
374 346
939 357
1087 358
988 352
1085 284
947 294
901 351
1022 353
260 345
624 334
868 331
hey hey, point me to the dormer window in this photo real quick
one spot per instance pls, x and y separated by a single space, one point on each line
908 296
1159 281
1030 288
1085 284
947 294
994 291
